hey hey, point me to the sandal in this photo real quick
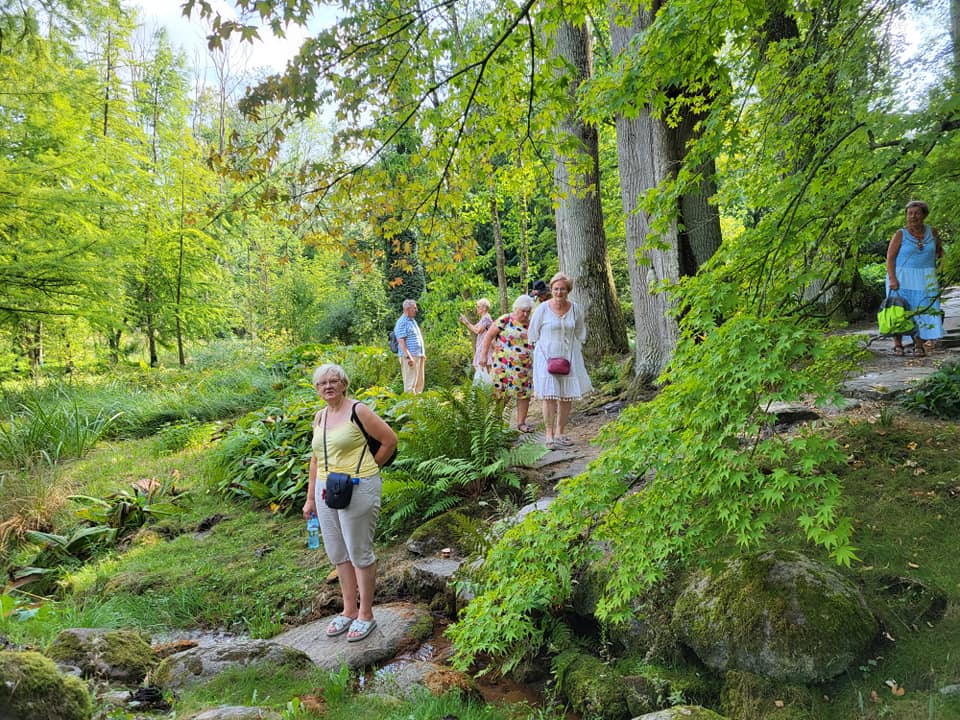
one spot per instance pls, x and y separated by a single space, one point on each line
359 629
563 441
898 349
918 350
551 444
339 625
524 428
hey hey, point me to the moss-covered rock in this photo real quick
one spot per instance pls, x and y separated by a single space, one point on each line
452 529
682 712
592 687
116 655
777 614
200 664
650 687
32 687
746 696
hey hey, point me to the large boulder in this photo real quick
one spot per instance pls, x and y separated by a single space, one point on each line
400 626
592 687
777 614
32 687
200 664
453 530
431 579
120 656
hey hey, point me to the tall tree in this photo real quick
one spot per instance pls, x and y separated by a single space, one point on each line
581 238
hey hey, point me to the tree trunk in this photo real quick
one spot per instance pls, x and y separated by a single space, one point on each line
650 152
31 343
501 256
643 150
113 342
955 37
699 235
149 323
581 238
524 245
179 309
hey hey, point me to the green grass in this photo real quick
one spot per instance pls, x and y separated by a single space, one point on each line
293 691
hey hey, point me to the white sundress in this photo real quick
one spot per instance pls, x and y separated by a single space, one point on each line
556 336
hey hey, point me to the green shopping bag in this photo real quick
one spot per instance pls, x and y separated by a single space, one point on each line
895 317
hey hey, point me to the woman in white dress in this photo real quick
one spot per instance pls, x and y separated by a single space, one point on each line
558 329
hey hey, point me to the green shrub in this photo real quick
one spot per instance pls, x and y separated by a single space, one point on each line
938 395
874 275
266 456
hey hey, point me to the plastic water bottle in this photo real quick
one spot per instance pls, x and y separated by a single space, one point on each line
313 532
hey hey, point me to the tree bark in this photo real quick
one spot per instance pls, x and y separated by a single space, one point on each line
643 150
699 235
955 37
501 256
650 152
581 238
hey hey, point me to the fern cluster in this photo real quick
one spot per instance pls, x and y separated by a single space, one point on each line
454 445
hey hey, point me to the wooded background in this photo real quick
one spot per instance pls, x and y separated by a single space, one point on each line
683 160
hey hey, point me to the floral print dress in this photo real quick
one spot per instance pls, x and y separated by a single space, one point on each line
512 359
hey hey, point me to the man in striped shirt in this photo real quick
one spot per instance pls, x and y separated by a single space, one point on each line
411 351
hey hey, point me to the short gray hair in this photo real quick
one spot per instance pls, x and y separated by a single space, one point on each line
524 302
409 303
483 302
331 369
918 204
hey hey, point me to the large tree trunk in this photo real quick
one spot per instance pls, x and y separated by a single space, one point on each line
643 150
650 152
581 239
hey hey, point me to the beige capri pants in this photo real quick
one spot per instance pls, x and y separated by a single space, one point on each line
348 533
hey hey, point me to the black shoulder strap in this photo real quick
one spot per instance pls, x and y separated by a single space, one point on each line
353 416
372 442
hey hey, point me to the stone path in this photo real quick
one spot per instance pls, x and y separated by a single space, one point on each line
885 375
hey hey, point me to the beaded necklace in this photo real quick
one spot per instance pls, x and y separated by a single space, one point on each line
918 243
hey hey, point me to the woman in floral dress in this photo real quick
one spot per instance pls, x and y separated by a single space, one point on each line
512 358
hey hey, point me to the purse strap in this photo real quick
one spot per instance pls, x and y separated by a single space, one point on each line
326 468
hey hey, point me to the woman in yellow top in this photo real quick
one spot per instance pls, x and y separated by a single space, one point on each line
339 446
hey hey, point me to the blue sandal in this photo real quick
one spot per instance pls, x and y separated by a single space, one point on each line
339 625
362 628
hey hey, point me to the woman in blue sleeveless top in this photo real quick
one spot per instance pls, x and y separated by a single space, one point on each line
911 269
